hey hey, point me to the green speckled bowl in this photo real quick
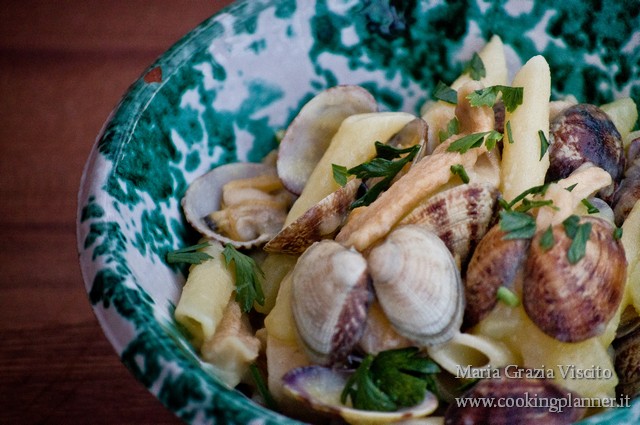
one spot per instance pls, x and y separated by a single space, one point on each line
230 84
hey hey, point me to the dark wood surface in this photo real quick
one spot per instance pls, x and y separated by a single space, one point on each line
63 67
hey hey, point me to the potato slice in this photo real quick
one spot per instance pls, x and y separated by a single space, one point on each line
352 145
205 295
522 167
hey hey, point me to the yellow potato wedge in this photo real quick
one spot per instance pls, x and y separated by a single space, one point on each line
624 114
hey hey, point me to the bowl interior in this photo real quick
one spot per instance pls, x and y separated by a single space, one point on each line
222 93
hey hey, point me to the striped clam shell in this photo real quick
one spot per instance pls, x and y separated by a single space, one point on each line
460 216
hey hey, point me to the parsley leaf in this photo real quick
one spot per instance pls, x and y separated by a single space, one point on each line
617 233
591 209
579 234
248 278
547 240
509 132
475 67
511 96
383 165
459 171
475 140
507 296
544 143
340 174
391 380
517 225
535 190
445 93
453 127
190 254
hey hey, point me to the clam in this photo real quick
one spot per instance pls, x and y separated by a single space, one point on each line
243 204
418 285
495 262
627 362
585 133
460 216
321 388
318 222
311 131
523 401
628 192
573 302
330 297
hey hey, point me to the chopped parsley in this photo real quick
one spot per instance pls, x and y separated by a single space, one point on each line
383 165
509 132
547 240
591 209
475 140
248 278
453 127
617 233
459 171
508 297
511 96
475 67
190 255
579 234
445 93
517 225
544 143
391 380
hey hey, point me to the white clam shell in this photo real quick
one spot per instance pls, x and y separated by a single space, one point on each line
331 295
205 193
418 285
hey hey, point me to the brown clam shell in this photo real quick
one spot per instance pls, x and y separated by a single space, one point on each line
316 223
330 298
585 133
523 400
460 216
573 302
495 262
627 363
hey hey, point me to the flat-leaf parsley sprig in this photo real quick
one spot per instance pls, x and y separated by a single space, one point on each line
391 380
386 165
248 275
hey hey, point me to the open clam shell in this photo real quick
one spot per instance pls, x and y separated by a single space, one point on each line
308 136
321 387
204 196
318 222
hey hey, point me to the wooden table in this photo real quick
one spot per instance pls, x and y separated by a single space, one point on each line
63 67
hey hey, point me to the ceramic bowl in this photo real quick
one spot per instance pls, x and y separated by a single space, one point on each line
223 91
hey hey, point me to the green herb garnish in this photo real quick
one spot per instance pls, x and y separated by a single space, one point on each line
475 67
509 133
617 233
383 165
453 127
459 171
445 93
544 143
391 380
340 174
535 190
475 140
507 296
579 234
190 254
547 240
511 96
570 188
591 209
262 387
248 278
517 225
